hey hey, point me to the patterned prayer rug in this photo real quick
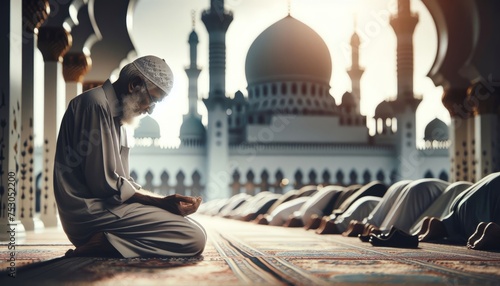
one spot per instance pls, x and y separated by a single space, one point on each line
243 253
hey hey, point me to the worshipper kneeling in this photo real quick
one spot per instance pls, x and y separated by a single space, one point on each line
102 210
474 219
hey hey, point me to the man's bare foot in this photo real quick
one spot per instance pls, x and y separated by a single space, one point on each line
435 231
354 229
314 222
262 219
490 238
327 226
477 234
97 246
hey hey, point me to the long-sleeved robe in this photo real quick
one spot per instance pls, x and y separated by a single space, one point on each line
92 185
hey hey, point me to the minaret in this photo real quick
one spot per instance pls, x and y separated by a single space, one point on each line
404 23
217 21
193 72
192 132
355 72
406 103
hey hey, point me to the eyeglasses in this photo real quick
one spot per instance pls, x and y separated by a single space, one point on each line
152 100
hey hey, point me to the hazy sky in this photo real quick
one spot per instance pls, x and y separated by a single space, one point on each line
161 27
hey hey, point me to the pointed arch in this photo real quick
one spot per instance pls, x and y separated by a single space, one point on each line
298 179
235 185
367 177
180 187
428 174
264 181
326 177
340 177
312 177
394 176
164 187
148 185
444 176
133 175
381 176
353 177
250 185
196 187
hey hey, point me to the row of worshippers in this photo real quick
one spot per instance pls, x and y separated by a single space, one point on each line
400 215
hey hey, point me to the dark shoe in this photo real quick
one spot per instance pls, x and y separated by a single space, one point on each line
395 238
364 238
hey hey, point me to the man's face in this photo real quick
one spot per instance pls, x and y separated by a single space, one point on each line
141 100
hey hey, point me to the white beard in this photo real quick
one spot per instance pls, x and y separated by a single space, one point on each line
130 104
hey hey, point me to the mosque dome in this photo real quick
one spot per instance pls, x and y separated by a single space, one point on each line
436 130
288 69
348 100
192 128
148 128
384 110
288 50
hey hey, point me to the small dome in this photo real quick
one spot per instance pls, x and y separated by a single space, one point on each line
384 110
148 128
192 128
238 97
436 130
348 100
288 50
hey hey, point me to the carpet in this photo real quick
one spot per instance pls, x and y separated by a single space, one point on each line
243 253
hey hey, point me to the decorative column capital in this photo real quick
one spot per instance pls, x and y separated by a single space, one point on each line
75 66
35 12
455 100
54 42
483 99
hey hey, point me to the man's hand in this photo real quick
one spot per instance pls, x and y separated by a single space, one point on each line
181 205
177 204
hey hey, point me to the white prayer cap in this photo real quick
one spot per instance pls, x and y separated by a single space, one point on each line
156 71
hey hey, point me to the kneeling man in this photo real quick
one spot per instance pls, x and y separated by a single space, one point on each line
102 210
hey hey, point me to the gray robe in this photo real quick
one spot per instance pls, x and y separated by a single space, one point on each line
412 202
92 184
479 203
441 207
360 209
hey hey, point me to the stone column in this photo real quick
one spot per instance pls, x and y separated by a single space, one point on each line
461 133
53 42
75 66
10 118
485 99
35 12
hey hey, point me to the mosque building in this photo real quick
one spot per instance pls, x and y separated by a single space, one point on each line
286 130
283 131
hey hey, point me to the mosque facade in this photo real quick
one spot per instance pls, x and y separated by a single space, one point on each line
286 130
